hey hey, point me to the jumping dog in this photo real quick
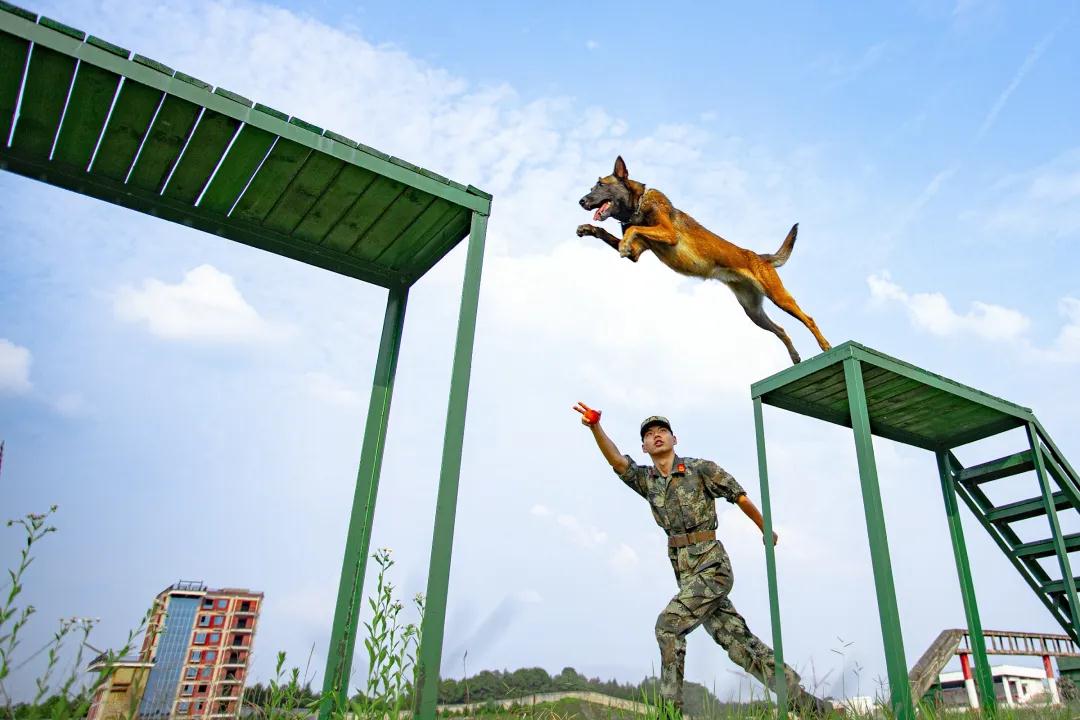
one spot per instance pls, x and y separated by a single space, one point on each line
651 222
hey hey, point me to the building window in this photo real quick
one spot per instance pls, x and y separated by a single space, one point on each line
190 673
222 603
215 638
204 621
196 656
211 655
206 673
184 707
219 621
202 689
199 705
207 603
245 606
186 689
200 638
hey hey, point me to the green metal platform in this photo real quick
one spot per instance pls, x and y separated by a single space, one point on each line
874 394
81 113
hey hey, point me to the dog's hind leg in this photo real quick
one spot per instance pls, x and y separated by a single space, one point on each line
778 294
751 300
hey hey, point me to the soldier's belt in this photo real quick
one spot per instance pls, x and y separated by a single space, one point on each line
678 541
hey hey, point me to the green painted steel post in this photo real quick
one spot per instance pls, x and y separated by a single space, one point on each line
891 634
984 681
1055 526
770 563
347 611
446 507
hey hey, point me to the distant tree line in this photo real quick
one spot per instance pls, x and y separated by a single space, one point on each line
500 685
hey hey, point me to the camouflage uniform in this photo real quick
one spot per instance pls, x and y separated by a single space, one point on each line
685 503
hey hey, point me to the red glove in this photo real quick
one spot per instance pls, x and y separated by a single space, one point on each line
588 416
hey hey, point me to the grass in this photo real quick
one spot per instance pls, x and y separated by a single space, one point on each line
391 646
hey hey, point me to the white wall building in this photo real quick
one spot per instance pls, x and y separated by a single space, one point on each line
1014 685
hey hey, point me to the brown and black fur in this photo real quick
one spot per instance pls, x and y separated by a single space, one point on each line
651 222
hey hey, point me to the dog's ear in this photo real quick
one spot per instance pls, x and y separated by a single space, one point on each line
620 169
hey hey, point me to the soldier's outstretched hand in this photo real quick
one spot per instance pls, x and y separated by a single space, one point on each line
589 417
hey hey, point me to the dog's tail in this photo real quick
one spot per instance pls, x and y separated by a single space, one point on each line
781 256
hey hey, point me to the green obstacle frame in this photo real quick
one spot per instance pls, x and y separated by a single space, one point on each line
83 114
875 394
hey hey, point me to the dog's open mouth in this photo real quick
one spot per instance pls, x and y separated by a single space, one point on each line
603 212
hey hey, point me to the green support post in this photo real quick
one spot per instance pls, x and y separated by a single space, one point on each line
983 679
891 635
1055 527
780 678
347 611
446 507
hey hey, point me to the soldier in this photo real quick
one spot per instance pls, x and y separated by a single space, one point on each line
682 493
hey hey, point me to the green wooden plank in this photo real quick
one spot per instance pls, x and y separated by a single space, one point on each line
303 192
801 384
901 399
1008 466
874 357
945 425
328 210
13 51
247 151
159 153
48 80
885 393
91 97
829 385
835 394
363 214
796 372
992 427
931 403
201 156
393 223
190 216
283 162
455 230
128 125
1026 509
404 249
843 417
1046 548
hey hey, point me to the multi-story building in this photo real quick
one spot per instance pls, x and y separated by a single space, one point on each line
198 648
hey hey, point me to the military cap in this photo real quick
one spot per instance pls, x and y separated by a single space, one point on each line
654 420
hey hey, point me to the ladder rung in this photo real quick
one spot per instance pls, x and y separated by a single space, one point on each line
1025 509
1021 462
1058 586
1045 548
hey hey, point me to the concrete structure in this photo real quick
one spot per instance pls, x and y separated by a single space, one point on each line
197 650
120 694
1014 685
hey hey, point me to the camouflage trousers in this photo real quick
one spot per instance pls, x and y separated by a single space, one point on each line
705 580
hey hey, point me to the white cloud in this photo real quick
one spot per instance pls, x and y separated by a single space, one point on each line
529 597
14 368
591 44
933 313
624 559
331 391
1043 202
540 511
71 405
1066 346
581 534
205 306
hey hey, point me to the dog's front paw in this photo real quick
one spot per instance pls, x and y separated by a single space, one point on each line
626 251
583 230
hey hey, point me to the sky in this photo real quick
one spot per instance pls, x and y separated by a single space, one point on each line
195 407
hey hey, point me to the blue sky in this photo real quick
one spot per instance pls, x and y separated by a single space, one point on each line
195 406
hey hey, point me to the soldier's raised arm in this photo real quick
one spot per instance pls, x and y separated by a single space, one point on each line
591 419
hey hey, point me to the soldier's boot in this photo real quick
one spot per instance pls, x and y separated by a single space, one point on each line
808 706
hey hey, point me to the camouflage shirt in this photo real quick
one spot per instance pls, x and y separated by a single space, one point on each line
685 502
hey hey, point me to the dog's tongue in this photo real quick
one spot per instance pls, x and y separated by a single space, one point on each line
602 208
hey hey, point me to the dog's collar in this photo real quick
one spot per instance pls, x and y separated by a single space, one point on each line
636 210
